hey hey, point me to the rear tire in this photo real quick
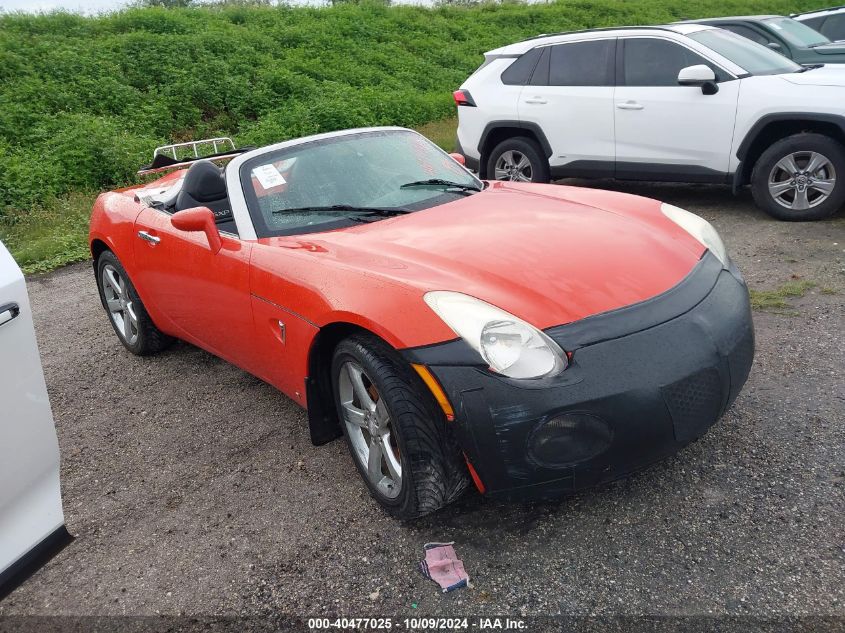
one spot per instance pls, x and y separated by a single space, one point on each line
126 311
801 177
396 433
518 159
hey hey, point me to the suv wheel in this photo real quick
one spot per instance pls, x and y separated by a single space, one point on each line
801 177
519 159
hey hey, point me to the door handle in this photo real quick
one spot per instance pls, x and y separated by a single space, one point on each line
630 105
8 312
152 239
536 100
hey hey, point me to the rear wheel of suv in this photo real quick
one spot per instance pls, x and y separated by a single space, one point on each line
801 177
520 159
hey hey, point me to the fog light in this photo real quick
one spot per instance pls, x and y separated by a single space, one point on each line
569 438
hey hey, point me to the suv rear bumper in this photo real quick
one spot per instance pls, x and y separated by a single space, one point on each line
623 403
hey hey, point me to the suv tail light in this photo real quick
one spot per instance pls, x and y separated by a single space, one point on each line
463 98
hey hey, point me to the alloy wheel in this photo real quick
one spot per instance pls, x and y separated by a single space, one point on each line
120 304
369 428
513 165
802 180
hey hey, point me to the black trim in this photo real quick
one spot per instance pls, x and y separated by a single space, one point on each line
14 308
33 560
679 299
669 173
523 125
584 169
629 170
322 417
796 117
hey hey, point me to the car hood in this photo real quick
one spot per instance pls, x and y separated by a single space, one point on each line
546 253
827 75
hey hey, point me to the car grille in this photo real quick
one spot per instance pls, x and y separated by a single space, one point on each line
694 403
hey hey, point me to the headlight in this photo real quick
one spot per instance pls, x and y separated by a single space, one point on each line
509 345
699 228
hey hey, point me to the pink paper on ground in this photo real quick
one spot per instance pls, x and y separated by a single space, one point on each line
442 565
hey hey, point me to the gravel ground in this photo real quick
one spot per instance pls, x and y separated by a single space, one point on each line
192 487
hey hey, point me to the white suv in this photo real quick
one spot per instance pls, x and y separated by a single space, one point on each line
684 103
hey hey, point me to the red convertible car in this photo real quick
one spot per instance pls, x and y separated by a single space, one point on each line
526 339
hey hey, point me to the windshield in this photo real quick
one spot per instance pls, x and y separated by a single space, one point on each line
336 182
795 32
755 58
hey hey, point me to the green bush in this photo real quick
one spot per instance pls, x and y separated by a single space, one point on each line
83 100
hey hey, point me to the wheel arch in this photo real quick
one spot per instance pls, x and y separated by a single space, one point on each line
98 247
323 421
497 131
774 127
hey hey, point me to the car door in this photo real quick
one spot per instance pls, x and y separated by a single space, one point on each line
665 131
31 517
202 295
570 97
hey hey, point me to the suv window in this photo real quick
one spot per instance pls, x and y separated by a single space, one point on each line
815 23
519 72
834 27
657 62
747 32
582 63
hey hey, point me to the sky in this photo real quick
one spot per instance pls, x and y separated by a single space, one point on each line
88 7
80 6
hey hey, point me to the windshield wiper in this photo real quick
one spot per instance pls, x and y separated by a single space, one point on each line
348 208
804 68
440 182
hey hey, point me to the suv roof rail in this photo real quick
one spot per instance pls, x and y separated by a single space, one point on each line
841 6
222 148
599 30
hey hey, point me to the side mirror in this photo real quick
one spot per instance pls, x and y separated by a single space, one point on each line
199 219
699 75
458 158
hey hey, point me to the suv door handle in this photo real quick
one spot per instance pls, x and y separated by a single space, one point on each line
152 239
630 105
537 100
8 312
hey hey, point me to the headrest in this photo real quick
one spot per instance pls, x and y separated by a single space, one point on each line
204 182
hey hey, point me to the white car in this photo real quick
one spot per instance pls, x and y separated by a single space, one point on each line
32 524
683 103
828 22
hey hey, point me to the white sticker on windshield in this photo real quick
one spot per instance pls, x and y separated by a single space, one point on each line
268 176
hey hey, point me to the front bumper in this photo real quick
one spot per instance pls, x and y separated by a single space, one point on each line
647 379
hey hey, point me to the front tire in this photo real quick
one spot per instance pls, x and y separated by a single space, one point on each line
397 435
519 159
801 177
125 310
